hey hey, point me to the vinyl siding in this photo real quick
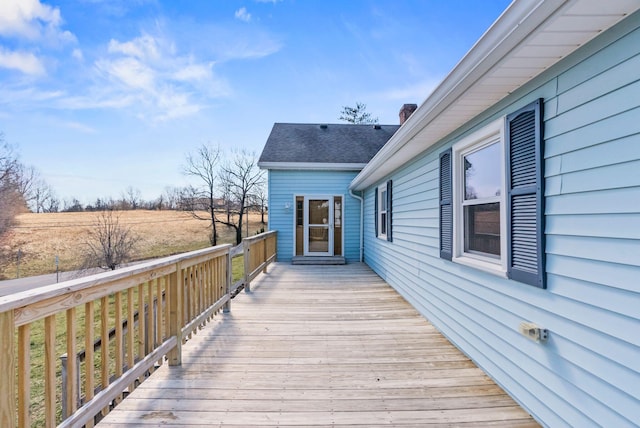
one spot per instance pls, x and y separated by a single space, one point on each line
284 185
588 373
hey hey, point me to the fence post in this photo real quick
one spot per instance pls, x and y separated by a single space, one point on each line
246 245
7 368
175 314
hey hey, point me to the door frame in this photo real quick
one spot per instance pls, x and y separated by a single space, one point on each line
329 225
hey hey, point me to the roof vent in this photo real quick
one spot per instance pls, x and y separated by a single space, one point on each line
323 126
376 126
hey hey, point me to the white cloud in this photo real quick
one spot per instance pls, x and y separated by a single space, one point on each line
25 62
243 15
77 54
144 47
158 82
194 72
32 20
129 72
78 127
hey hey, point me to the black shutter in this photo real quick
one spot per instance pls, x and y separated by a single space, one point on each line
446 206
389 211
525 195
375 209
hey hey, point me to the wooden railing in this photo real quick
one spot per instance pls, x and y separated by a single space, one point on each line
92 313
259 251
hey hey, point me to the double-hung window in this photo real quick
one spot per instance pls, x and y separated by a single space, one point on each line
478 183
383 211
492 199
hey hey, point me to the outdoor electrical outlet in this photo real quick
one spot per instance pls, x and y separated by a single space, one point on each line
534 332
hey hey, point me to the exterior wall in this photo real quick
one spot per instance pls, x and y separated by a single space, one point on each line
284 185
588 373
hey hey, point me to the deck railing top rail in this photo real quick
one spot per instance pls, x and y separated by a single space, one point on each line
111 282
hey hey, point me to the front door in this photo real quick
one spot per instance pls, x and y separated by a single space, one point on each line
318 226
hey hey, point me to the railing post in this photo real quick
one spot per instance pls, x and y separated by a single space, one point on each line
264 254
175 315
246 245
7 368
228 280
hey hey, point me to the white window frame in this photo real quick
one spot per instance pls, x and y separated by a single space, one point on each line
382 202
490 134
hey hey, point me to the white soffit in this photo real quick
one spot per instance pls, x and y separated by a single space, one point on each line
528 38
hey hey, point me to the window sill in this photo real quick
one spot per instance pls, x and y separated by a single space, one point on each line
486 266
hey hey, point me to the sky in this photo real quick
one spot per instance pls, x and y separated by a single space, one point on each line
103 95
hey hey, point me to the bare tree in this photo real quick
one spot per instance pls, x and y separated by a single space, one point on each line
132 198
203 164
171 197
11 199
109 243
357 114
240 176
259 199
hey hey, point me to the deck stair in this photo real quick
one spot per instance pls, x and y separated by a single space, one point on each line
318 260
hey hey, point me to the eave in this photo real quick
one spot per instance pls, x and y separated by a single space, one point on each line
312 166
527 39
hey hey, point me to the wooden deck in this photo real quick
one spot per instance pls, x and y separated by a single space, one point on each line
319 346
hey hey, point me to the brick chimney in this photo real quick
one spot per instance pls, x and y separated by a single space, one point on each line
406 111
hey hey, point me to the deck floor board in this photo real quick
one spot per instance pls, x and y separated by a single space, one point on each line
319 346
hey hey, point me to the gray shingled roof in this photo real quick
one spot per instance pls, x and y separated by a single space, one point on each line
331 143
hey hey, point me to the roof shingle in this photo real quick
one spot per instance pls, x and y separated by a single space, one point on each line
320 143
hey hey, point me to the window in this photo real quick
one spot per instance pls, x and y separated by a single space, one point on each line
491 198
383 211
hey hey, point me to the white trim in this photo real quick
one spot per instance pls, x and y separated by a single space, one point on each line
490 134
295 225
509 38
343 209
315 166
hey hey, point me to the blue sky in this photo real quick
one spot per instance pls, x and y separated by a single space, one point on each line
100 95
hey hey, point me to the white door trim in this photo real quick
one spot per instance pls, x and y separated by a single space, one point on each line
328 225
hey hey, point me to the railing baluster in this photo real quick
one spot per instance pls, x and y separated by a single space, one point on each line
141 323
131 333
24 375
72 368
50 370
118 338
175 316
89 367
7 366
150 336
158 314
104 346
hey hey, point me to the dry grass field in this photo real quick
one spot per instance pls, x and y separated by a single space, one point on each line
42 237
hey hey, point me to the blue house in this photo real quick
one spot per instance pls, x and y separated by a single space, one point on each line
309 169
506 209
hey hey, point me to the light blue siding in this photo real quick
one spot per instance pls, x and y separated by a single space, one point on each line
588 373
284 185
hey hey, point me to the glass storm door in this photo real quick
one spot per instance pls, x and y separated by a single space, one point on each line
318 221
